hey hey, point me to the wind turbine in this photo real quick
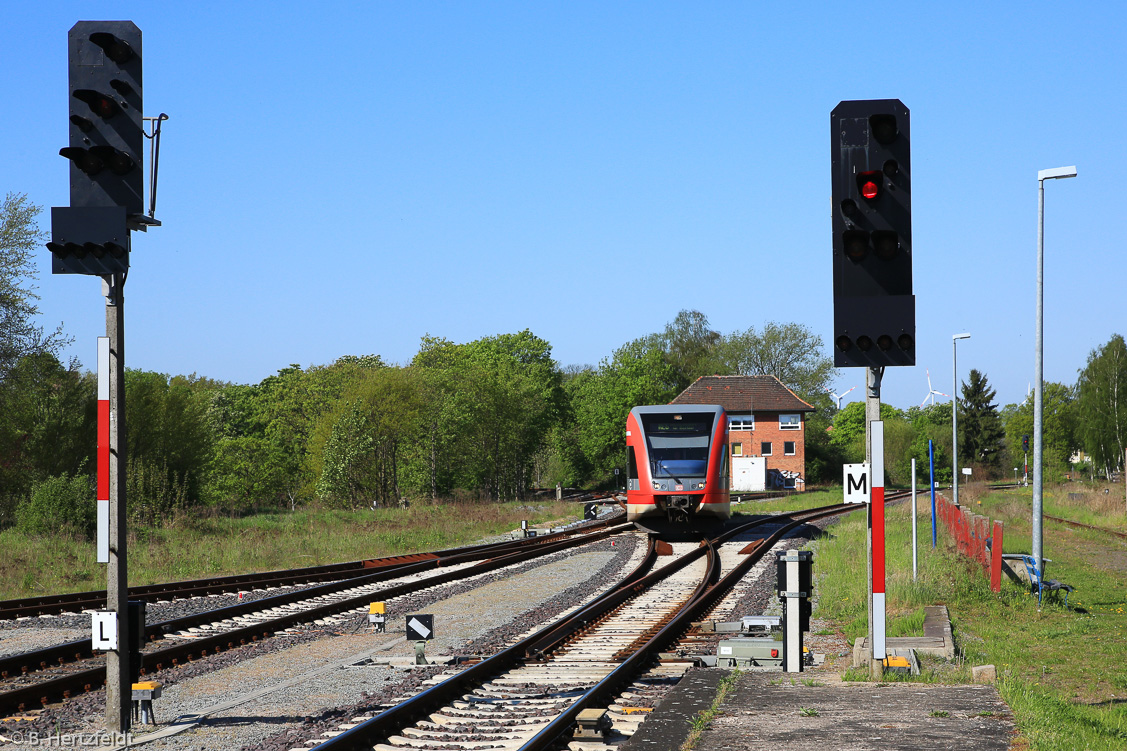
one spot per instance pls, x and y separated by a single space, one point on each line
930 391
838 397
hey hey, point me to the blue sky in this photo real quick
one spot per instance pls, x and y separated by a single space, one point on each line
344 178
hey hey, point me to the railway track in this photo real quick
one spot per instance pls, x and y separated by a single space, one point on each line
207 633
77 602
1081 525
603 657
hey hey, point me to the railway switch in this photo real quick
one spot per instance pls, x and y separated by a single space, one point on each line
377 616
794 575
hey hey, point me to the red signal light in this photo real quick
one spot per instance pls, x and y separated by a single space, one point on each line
870 184
774 653
100 104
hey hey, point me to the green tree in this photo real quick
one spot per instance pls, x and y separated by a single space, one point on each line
823 457
1102 404
265 433
789 351
492 403
47 426
1059 433
169 442
690 347
932 423
638 373
980 426
375 423
848 433
19 239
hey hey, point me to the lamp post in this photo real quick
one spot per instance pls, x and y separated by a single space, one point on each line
1038 362
955 417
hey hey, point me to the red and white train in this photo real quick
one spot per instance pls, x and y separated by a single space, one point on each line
677 463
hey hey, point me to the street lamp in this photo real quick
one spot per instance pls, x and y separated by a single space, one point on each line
1038 363
954 417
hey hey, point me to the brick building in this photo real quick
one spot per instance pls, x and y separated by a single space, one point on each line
766 429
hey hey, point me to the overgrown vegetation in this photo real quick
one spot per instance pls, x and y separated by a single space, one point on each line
1059 669
191 546
706 716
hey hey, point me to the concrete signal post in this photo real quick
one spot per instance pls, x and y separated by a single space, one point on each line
874 306
92 236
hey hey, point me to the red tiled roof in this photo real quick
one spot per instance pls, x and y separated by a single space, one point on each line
743 394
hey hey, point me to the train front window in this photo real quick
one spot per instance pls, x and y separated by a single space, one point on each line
678 444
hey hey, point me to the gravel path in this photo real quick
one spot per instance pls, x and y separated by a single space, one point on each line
269 694
279 692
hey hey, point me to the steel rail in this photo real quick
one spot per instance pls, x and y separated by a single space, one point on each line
63 687
365 735
535 646
1081 525
78 601
706 596
81 649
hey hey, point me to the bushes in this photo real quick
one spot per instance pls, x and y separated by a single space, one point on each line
59 504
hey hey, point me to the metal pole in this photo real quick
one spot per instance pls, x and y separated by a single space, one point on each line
1038 365
1038 372
118 675
931 461
913 519
954 422
954 417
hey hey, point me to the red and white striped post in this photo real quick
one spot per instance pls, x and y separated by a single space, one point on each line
103 449
876 523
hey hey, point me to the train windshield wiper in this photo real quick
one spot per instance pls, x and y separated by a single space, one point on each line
661 464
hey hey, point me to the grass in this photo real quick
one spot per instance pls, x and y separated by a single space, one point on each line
1062 671
706 716
195 547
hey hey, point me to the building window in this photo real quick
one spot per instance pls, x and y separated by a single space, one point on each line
790 422
741 422
766 448
737 449
788 448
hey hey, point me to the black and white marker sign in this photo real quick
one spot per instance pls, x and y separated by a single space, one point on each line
104 631
858 483
420 627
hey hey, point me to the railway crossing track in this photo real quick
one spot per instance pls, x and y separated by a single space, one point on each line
213 631
76 602
530 695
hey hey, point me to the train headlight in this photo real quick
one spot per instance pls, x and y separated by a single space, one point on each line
700 486
657 485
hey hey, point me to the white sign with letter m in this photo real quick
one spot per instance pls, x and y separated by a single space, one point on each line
858 483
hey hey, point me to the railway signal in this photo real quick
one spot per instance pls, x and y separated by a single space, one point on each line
874 309
91 236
